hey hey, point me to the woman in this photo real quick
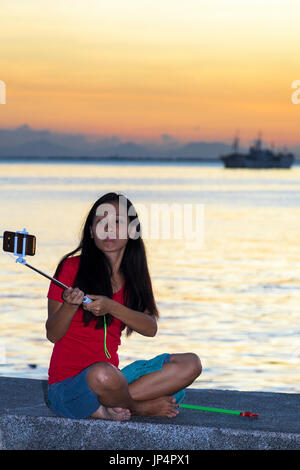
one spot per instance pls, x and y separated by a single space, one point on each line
84 379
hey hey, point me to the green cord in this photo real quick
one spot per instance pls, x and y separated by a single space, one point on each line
216 410
105 348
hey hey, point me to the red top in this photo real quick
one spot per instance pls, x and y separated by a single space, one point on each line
82 345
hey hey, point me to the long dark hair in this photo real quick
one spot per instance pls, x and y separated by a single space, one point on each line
95 271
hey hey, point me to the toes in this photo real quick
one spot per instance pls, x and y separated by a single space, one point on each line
172 415
119 414
173 401
113 414
118 410
173 411
124 414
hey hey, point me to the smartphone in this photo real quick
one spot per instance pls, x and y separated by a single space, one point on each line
9 243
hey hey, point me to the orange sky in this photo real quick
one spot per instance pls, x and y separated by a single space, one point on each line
196 70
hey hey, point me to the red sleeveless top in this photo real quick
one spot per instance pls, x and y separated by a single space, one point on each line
81 346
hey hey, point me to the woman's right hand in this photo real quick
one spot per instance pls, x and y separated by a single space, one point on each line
73 296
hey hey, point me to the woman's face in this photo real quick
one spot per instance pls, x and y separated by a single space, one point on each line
110 227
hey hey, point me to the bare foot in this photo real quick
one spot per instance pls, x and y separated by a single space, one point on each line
113 414
163 406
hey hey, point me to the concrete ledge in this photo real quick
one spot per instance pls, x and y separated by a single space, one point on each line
26 422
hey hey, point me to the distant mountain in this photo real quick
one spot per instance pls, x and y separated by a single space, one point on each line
126 149
203 149
23 141
39 148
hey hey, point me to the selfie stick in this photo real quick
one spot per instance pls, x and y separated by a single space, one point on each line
21 259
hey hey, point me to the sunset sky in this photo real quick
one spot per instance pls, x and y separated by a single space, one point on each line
192 69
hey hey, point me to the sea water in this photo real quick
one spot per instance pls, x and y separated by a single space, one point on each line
233 299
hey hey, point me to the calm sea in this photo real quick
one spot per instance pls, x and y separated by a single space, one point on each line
233 300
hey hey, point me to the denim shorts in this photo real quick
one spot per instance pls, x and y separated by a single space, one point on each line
73 398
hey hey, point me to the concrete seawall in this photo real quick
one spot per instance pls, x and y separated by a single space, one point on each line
26 422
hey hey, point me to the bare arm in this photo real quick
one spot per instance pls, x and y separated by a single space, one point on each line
60 315
141 322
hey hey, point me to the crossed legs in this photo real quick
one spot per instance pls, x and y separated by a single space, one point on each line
150 395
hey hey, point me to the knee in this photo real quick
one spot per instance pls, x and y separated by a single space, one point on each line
194 365
105 376
190 364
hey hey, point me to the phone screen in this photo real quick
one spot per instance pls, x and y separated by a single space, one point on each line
9 243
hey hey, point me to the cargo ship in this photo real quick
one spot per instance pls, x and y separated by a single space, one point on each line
257 157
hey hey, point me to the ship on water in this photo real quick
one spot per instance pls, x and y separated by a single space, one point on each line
257 157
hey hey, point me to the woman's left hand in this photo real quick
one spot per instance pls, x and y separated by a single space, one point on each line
99 307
